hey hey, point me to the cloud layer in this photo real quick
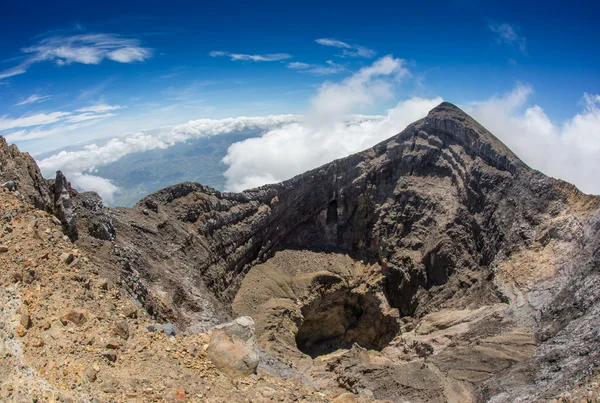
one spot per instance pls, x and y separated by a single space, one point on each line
568 151
79 166
83 48
328 131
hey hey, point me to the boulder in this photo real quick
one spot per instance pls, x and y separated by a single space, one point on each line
233 348
63 205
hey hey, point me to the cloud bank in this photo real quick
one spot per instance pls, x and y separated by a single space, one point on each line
83 48
326 132
79 166
568 150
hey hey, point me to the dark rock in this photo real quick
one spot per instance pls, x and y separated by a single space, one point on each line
63 205
110 355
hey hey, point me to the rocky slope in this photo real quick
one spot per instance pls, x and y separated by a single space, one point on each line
435 266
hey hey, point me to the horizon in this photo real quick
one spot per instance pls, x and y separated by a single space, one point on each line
341 77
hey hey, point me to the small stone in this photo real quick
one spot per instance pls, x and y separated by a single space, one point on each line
76 317
179 395
44 325
3 249
110 355
114 344
67 258
20 331
121 329
38 343
26 321
17 276
90 374
130 312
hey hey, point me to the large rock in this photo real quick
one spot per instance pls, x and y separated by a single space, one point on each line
19 172
64 205
233 347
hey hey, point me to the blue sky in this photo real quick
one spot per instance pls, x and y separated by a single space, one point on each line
74 71
450 47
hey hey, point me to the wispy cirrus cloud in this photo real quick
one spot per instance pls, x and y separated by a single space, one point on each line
316 69
33 99
100 108
507 34
82 48
348 50
271 57
39 125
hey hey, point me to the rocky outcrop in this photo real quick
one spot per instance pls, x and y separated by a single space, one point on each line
63 205
19 172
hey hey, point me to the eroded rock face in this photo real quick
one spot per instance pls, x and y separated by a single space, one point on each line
22 174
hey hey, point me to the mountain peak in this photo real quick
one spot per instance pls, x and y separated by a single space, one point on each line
465 130
447 107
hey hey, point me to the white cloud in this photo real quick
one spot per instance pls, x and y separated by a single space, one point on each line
507 34
41 132
82 48
272 57
94 183
88 116
316 69
48 124
32 99
284 152
100 108
79 166
568 151
31 120
348 50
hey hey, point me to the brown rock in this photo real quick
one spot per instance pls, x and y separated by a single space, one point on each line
130 312
20 331
121 329
26 321
90 374
44 325
345 398
67 258
76 317
110 355
114 344
233 347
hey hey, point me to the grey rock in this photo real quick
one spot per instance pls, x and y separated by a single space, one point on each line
64 205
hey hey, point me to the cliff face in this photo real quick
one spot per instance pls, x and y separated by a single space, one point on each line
445 229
